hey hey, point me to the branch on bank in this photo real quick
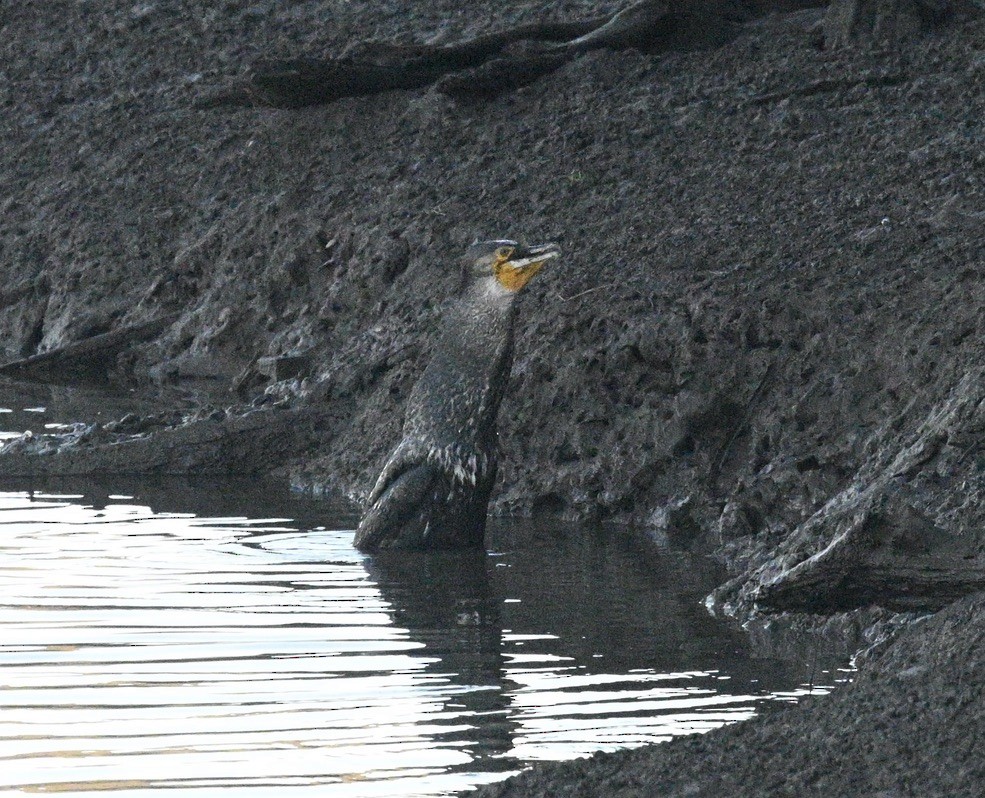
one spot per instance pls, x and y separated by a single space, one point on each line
870 544
891 555
90 358
490 64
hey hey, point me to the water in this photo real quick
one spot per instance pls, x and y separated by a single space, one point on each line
224 638
52 409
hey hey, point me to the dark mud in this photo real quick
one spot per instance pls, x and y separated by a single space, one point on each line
766 332
910 725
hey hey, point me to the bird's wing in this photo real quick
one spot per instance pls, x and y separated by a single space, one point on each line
404 458
400 503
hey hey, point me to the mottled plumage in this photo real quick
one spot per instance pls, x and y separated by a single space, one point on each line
434 489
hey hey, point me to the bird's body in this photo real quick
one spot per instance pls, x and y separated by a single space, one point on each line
435 487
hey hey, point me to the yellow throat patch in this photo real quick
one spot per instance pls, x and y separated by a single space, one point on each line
511 276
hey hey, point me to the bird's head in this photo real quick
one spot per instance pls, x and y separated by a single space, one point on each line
510 264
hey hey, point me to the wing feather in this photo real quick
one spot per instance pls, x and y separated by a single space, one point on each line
400 509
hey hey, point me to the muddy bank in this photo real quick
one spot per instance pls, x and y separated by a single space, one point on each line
771 281
910 725
765 338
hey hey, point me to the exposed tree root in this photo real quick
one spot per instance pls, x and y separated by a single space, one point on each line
487 65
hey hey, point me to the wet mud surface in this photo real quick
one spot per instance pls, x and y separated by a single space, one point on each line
910 725
764 339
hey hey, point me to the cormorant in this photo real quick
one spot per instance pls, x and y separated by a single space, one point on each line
434 490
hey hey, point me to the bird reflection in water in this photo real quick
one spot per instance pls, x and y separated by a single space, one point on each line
446 600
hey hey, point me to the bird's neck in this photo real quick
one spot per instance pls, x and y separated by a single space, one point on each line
484 309
489 291
456 401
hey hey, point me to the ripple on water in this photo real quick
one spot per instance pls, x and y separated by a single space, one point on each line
146 646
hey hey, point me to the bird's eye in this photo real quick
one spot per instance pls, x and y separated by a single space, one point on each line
504 253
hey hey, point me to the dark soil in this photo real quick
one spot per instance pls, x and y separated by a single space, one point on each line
768 319
911 725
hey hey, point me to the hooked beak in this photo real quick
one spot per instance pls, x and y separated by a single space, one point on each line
534 256
524 263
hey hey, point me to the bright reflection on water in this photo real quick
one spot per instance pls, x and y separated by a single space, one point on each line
225 643
51 409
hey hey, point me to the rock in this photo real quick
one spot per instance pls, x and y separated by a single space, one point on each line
673 525
284 367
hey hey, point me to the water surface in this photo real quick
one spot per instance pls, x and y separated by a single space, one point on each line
47 409
225 638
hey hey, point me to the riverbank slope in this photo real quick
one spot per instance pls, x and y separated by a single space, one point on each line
764 339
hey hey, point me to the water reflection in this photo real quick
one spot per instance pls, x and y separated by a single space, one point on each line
193 637
51 408
447 602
